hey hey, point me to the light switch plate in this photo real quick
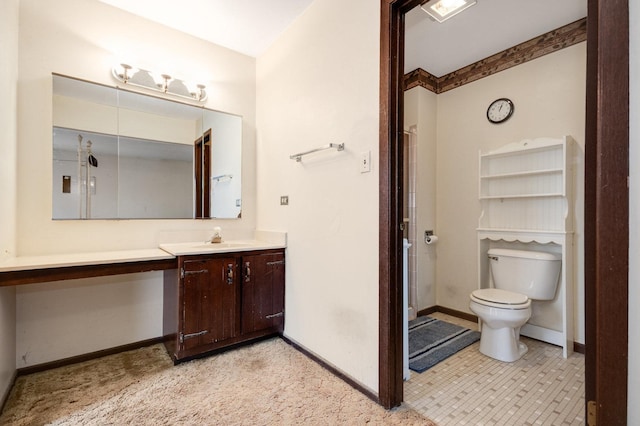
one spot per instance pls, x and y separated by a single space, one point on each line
284 200
365 162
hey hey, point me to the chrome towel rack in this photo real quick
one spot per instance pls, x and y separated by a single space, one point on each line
298 157
222 178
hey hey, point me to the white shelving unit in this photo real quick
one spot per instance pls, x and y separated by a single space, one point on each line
526 191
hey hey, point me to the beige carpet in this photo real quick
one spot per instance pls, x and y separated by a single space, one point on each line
268 383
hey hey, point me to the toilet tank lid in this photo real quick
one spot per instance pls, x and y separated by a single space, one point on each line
539 255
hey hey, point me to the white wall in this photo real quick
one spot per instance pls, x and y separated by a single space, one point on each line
549 97
87 315
8 136
319 83
633 408
225 146
155 188
84 38
421 111
78 114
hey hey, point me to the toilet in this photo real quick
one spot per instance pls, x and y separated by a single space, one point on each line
519 276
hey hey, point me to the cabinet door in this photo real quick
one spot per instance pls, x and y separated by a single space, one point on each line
209 302
263 292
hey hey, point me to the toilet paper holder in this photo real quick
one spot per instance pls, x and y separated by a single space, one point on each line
429 238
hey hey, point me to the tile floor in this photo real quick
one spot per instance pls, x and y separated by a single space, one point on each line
541 388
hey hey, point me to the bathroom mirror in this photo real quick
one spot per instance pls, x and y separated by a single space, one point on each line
119 154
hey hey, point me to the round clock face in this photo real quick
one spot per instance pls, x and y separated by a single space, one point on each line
500 110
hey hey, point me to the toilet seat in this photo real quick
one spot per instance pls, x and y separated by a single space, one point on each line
503 299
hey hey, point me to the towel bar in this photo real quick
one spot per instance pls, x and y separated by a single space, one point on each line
298 157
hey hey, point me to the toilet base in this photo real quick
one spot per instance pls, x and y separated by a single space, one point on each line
502 344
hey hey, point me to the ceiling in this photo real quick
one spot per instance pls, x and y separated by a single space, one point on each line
246 26
251 26
484 29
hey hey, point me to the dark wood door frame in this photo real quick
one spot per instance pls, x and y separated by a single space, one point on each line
607 209
606 205
202 170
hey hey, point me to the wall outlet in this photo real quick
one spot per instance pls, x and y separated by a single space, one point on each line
365 162
284 200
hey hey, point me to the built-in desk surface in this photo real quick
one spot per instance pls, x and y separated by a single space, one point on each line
34 269
55 267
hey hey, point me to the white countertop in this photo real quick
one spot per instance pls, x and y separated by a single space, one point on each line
265 240
195 248
22 263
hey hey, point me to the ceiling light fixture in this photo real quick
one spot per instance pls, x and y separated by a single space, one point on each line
441 10
164 83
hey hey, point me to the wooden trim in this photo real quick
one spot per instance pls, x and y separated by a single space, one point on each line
448 311
427 311
457 314
550 42
607 209
422 78
357 386
386 364
87 357
202 170
206 174
390 357
390 360
32 276
577 347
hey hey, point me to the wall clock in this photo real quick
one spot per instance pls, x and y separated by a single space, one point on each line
500 110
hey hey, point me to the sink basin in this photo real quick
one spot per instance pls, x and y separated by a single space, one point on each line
225 246
214 246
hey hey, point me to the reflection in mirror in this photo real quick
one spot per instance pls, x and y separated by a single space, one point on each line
119 154
85 180
156 176
225 186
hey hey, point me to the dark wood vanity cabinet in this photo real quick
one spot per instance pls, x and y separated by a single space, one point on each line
263 292
214 301
209 302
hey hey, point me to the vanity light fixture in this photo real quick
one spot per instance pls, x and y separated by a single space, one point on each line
164 83
441 10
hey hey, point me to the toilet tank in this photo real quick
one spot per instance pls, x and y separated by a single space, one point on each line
532 273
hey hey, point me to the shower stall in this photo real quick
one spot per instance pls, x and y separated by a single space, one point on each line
410 232
86 180
81 188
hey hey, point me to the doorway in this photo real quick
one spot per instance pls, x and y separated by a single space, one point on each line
606 206
202 172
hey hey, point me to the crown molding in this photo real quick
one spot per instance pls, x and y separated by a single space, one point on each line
537 47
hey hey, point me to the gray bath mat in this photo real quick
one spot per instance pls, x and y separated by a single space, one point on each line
432 340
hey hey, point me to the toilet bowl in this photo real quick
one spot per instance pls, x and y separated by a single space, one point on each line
502 314
519 277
